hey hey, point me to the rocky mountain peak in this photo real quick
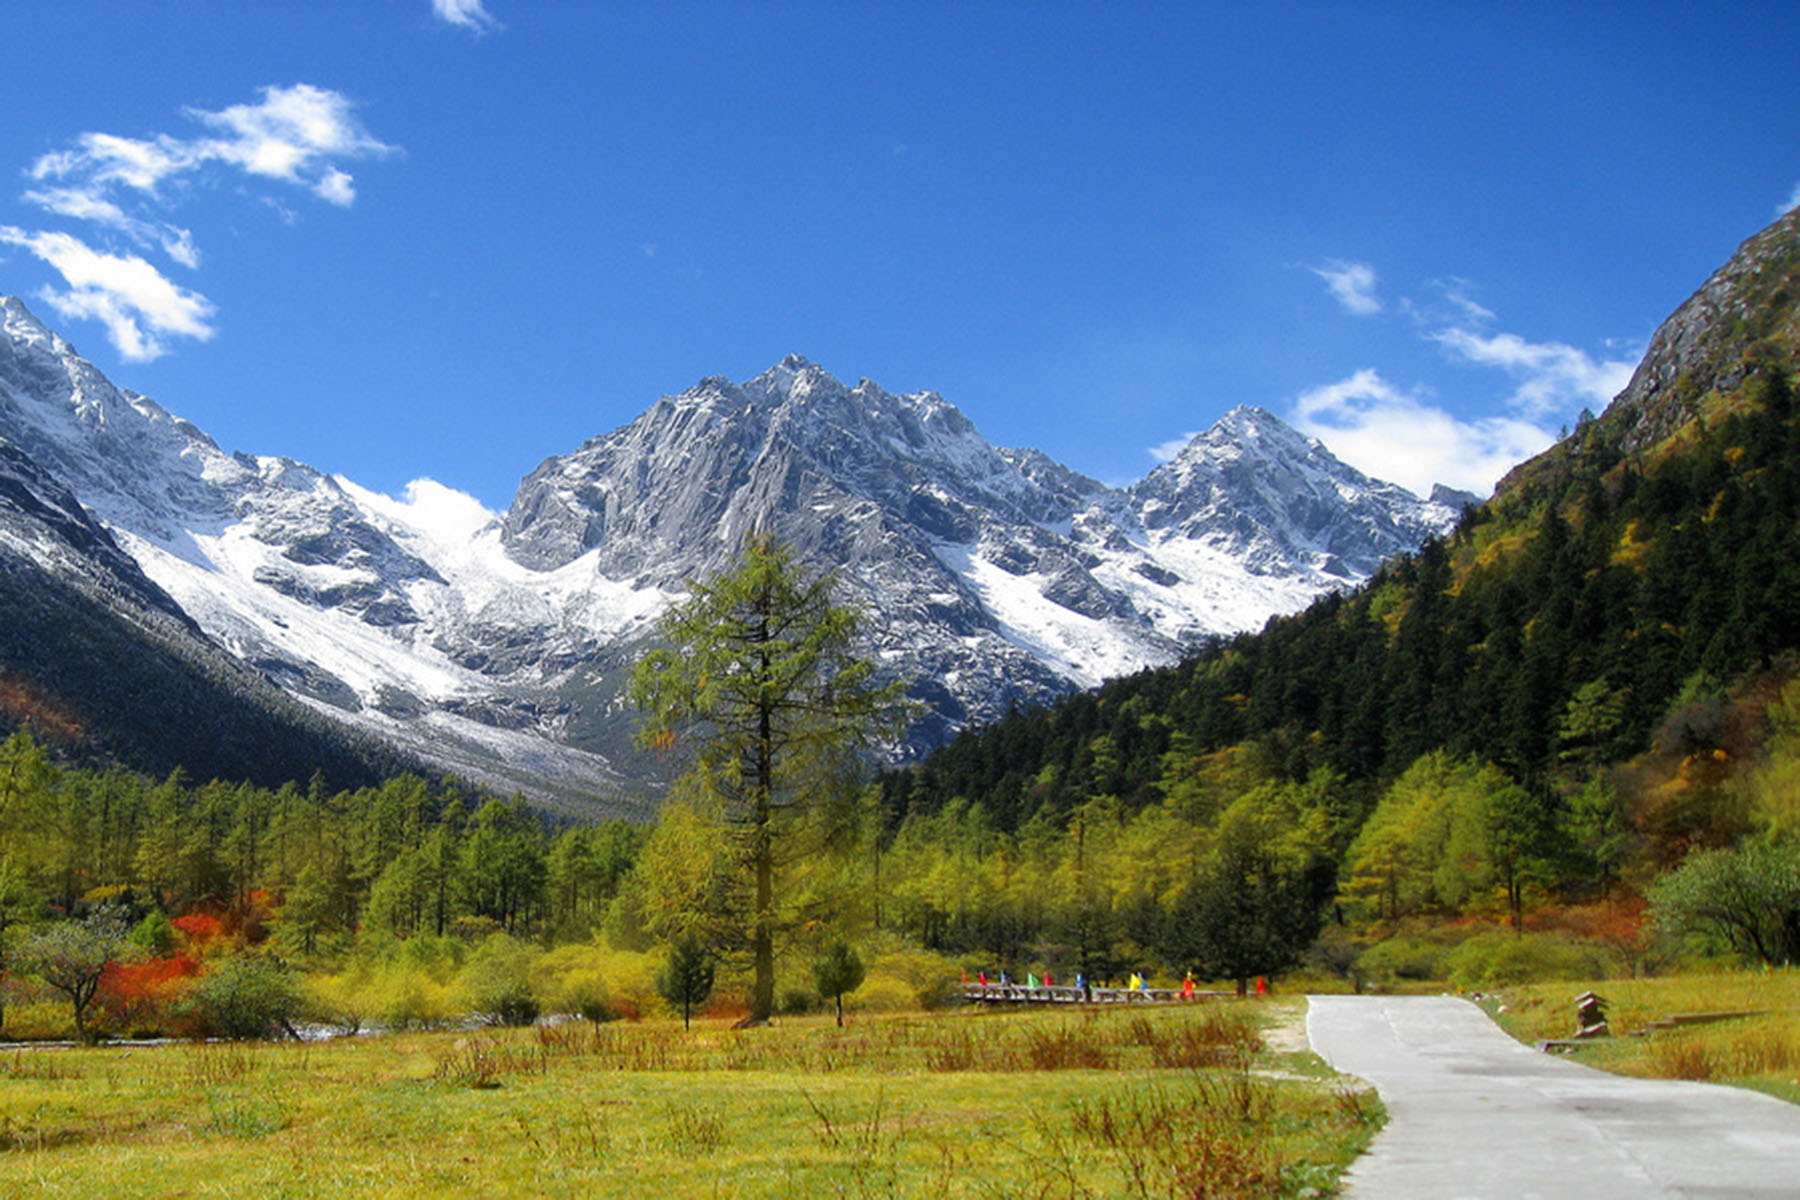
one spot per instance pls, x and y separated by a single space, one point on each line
1744 320
990 577
1749 299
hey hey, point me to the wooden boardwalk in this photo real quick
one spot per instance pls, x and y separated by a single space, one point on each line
1015 993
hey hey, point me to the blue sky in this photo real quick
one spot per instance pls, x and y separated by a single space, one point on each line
398 240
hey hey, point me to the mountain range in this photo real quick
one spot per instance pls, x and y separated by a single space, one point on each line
433 631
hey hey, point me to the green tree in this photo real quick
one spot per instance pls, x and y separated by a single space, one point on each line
26 776
246 996
1520 841
687 980
1599 836
399 897
1257 899
1747 898
71 956
1435 841
837 971
19 903
502 865
761 668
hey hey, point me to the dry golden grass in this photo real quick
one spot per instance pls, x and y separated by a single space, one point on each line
1760 1051
953 1105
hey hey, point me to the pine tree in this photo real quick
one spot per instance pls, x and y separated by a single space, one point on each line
838 971
687 980
761 667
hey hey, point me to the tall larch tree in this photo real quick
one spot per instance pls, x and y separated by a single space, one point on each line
760 675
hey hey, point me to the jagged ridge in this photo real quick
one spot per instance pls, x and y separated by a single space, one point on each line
498 645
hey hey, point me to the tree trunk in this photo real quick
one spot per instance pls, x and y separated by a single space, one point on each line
762 934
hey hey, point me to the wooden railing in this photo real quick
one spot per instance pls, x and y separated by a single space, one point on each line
1016 993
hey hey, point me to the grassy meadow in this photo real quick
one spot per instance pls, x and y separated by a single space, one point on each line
1217 1099
1760 1051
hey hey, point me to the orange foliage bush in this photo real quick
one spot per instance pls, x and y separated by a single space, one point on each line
139 995
199 927
724 1008
48 719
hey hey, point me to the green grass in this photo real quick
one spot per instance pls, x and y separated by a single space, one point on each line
1160 1102
1761 1052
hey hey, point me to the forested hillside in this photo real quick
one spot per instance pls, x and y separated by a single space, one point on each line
404 858
1588 660
1648 555
101 664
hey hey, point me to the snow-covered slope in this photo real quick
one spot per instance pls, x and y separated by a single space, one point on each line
496 644
379 613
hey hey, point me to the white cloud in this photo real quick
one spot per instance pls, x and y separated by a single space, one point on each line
138 305
1167 451
1353 285
1553 378
470 14
1403 438
102 159
174 241
1456 294
1408 438
292 136
1790 204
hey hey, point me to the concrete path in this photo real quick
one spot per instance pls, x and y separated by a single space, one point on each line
1474 1115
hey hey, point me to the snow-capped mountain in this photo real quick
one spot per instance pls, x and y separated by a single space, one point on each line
93 653
497 644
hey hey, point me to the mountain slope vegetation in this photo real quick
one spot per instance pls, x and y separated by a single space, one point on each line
1574 688
1647 557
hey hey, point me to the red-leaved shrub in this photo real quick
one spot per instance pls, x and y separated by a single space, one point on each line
138 997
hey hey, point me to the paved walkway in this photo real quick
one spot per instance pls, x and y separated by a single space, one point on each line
1474 1115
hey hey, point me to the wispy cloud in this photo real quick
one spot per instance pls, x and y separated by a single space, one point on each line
83 205
121 186
1406 438
1167 451
138 305
1553 378
294 135
1790 204
470 14
1352 284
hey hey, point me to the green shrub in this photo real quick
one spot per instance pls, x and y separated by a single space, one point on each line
1401 958
797 1002
586 995
345 1001
932 978
244 996
408 997
154 935
884 993
1745 899
497 981
1499 958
